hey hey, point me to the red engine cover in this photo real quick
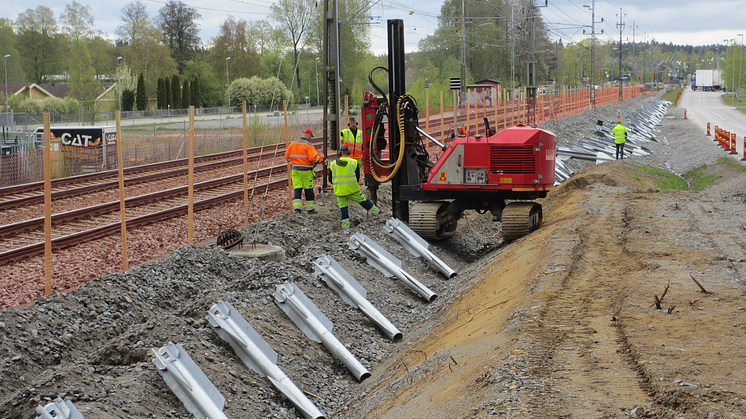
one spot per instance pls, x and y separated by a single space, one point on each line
519 158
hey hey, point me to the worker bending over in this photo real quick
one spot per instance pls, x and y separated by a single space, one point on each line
344 174
620 137
302 156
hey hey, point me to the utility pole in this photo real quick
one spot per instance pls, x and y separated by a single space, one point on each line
332 79
512 50
592 7
740 63
620 25
228 82
531 71
463 47
6 81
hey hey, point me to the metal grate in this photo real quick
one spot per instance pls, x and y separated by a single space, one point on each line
512 159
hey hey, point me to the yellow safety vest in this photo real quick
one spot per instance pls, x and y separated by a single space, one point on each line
620 134
343 177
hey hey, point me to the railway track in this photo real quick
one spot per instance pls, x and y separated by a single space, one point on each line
25 239
20 196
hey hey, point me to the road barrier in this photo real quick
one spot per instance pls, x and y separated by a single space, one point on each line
733 143
708 129
685 114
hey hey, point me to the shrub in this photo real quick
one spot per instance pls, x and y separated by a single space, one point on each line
263 92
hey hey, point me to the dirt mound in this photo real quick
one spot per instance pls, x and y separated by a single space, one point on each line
564 322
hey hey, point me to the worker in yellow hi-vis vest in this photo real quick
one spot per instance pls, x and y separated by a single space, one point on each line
344 174
620 137
352 137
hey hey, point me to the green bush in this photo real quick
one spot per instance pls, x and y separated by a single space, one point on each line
30 106
72 105
263 92
51 105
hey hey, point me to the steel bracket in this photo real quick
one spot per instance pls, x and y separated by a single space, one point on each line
338 279
59 409
316 326
416 245
385 262
257 354
189 383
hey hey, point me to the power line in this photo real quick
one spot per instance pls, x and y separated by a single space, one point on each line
216 10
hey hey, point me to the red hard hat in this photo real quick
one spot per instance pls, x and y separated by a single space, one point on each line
308 131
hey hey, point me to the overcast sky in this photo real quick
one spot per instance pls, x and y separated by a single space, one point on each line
682 22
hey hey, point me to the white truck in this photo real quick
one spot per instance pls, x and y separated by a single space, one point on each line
706 80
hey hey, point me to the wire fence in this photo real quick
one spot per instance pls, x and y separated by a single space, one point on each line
21 151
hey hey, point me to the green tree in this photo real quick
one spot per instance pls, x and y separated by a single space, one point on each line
142 94
148 54
167 93
102 55
135 22
212 86
128 100
82 78
177 22
354 29
264 38
233 41
196 93
295 18
8 41
160 94
39 43
185 94
126 80
77 21
175 92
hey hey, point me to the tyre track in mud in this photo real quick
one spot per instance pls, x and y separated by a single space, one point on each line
583 356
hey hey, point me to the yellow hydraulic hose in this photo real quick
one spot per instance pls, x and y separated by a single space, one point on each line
402 143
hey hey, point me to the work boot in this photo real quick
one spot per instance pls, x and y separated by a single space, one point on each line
312 211
296 210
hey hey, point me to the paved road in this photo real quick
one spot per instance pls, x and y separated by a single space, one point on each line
704 107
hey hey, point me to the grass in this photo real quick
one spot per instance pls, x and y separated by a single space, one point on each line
729 99
699 180
667 180
732 164
671 96
635 177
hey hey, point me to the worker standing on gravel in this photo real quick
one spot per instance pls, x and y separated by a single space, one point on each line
344 174
302 156
353 139
620 137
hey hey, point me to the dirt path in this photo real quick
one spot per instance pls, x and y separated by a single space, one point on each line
563 322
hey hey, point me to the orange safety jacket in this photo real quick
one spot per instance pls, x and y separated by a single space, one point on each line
302 155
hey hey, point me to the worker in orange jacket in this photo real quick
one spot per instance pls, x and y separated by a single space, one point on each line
302 156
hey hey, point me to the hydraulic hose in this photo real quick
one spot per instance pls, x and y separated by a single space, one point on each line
402 141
